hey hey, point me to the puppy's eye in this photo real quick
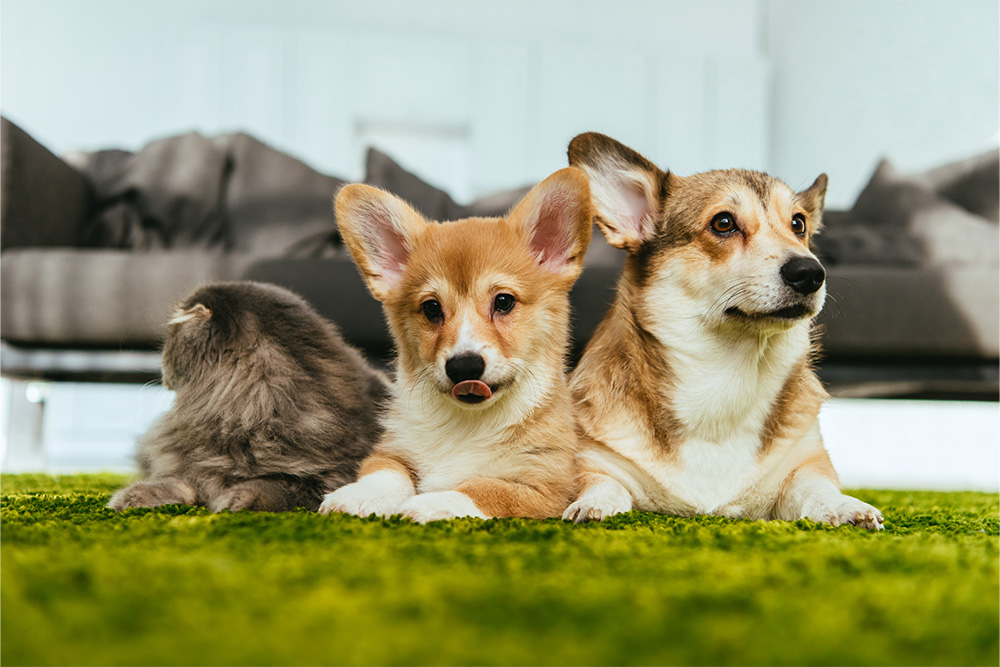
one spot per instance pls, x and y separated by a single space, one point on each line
432 310
799 224
723 224
502 303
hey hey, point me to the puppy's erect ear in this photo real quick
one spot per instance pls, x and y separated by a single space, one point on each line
557 217
379 229
624 185
812 200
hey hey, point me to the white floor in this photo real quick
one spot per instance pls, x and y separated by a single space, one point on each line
895 444
873 443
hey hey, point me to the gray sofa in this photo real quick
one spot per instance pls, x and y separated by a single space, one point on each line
914 289
95 249
94 255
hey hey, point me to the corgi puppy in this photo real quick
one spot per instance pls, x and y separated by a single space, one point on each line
481 422
696 394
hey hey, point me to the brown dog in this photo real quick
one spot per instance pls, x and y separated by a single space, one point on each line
696 393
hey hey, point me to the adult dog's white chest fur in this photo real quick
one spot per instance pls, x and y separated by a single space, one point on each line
723 390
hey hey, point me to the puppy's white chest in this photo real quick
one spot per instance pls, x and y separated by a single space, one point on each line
448 465
444 456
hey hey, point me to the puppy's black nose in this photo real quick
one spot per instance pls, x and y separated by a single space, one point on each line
803 274
465 367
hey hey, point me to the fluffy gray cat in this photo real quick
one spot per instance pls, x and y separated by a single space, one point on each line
272 411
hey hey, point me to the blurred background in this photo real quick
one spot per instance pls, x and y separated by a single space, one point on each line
479 96
476 97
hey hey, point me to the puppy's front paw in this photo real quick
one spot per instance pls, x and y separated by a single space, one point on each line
440 505
846 509
367 496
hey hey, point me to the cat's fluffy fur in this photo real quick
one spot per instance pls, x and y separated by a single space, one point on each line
272 411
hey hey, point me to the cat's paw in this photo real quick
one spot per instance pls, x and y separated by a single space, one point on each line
846 509
234 499
440 505
134 496
381 493
153 494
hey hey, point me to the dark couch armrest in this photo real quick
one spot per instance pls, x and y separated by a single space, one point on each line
43 201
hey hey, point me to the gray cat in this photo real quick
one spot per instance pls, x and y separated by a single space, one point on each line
272 410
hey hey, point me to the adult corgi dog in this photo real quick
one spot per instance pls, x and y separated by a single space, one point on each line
696 394
481 422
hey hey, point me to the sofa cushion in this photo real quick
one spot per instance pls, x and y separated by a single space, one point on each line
166 195
381 171
231 193
902 221
277 205
432 202
496 204
973 184
896 312
43 200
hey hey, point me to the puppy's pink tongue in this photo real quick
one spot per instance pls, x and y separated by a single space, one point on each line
471 388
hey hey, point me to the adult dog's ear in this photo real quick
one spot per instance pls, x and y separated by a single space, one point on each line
813 200
380 230
624 185
557 217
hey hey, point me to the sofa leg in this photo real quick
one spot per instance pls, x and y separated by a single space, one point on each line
25 413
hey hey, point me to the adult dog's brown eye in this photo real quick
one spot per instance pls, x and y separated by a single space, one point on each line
724 224
432 310
799 224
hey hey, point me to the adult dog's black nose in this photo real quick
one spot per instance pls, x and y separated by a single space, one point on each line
465 367
803 274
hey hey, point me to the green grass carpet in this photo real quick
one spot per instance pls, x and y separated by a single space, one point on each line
83 585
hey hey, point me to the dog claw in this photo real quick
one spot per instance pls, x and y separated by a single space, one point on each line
846 509
578 513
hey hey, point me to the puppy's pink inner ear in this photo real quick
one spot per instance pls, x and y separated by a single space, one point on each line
553 237
388 252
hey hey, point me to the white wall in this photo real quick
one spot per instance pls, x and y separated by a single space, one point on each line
915 81
483 95
478 95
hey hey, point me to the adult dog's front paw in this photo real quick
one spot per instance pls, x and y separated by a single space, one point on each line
598 502
582 512
846 509
382 494
440 505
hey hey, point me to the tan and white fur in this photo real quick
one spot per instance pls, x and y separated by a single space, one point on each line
696 394
481 423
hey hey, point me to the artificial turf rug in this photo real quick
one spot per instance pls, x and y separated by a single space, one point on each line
177 585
